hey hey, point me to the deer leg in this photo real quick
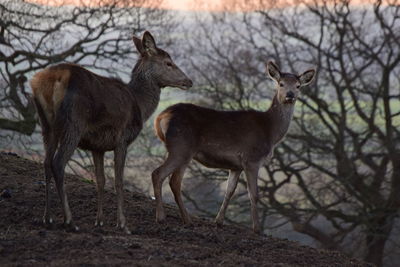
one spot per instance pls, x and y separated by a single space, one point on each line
159 175
98 159
230 189
68 144
50 145
175 184
119 163
251 177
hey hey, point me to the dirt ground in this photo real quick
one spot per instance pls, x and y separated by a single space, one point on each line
25 242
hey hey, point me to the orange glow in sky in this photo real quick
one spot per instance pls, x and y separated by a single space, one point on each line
243 5
180 4
213 5
205 5
208 5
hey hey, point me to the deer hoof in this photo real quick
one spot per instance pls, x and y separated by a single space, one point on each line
219 222
71 227
257 230
127 231
47 220
124 228
160 217
98 223
160 220
187 221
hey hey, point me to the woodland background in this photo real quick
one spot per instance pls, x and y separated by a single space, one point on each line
333 183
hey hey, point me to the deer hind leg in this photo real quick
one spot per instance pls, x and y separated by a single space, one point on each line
98 159
119 163
252 188
50 145
68 143
175 183
230 189
174 161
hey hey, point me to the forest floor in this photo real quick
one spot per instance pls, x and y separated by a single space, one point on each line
25 242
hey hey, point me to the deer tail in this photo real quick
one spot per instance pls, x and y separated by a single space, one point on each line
49 87
161 124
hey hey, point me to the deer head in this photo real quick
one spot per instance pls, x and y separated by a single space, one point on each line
288 84
159 64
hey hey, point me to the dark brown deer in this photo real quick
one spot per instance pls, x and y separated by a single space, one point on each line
234 140
78 108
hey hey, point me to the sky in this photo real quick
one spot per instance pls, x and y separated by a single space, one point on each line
211 5
208 5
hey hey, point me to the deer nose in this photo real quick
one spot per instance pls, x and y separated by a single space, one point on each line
188 82
290 94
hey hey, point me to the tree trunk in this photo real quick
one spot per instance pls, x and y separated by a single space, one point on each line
375 250
376 238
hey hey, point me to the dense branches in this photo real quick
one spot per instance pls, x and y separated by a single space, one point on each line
339 165
335 178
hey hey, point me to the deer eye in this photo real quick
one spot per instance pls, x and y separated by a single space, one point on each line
281 84
169 64
298 86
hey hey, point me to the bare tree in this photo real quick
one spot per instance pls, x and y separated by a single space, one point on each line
336 176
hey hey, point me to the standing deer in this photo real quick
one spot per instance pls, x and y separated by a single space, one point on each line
234 140
78 108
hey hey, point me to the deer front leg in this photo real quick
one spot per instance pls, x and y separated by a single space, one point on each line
119 163
230 189
158 176
175 183
252 188
172 163
98 159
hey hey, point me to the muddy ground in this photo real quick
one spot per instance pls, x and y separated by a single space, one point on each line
25 242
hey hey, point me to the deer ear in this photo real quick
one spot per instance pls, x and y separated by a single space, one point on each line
307 77
273 71
138 44
149 44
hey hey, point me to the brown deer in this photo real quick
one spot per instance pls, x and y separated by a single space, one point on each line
234 140
78 108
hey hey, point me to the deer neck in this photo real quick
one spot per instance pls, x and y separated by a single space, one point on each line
146 91
280 116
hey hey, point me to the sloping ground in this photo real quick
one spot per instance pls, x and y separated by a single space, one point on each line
25 242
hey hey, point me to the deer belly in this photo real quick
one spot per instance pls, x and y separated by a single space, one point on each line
104 139
231 161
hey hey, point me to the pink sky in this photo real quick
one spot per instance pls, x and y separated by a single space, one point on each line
210 5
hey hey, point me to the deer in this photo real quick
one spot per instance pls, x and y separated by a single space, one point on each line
78 108
238 141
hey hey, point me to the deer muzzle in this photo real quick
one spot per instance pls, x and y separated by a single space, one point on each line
290 97
186 84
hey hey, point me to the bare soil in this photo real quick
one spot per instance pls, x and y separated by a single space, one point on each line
24 241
